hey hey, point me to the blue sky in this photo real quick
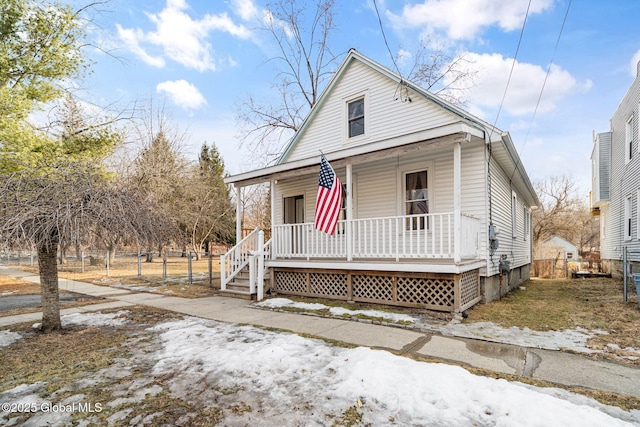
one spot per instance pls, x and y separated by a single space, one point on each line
204 58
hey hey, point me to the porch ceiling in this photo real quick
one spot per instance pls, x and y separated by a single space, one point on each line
411 143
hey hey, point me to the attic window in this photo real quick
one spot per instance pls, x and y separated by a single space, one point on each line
356 117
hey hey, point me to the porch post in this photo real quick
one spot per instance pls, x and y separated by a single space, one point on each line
457 190
273 219
238 213
349 213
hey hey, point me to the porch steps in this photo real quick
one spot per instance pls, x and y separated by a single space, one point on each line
239 288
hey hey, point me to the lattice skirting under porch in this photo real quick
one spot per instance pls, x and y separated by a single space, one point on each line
444 292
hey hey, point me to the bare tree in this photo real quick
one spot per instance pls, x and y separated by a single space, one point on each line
437 71
563 212
68 202
305 64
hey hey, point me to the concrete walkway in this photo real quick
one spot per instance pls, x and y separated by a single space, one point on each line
553 366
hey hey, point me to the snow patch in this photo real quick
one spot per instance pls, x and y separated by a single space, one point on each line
95 319
7 338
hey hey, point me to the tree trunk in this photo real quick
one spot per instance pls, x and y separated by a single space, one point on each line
149 255
47 263
78 252
111 247
63 254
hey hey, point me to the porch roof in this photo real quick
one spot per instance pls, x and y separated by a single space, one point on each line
444 135
503 152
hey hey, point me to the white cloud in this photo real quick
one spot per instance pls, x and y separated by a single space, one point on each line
635 67
524 88
245 9
180 37
131 40
404 56
182 93
464 19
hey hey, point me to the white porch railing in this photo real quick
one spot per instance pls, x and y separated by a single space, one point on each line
237 258
401 237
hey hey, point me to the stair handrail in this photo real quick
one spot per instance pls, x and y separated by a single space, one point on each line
239 256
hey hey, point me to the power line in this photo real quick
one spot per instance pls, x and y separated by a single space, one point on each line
544 83
401 84
513 64
384 37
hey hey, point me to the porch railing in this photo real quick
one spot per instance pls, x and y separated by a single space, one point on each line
237 258
400 237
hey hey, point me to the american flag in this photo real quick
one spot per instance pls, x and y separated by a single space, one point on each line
329 200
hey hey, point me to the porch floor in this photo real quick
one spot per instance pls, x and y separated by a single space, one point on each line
420 265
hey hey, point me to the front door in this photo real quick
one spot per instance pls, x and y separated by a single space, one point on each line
294 214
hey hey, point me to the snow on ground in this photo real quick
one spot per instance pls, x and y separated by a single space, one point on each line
569 339
336 311
7 338
290 380
95 319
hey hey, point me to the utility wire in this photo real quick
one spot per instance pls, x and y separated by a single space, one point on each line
384 37
504 95
401 85
535 111
513 65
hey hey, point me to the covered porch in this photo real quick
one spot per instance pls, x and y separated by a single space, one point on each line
387 248
436 236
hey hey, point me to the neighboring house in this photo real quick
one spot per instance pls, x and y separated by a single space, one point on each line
615 192
556 247
434 199
555 257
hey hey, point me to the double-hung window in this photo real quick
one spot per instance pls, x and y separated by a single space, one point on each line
627 217
628 139
416 200
356 117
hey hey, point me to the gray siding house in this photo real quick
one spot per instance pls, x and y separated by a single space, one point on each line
470 241
615 192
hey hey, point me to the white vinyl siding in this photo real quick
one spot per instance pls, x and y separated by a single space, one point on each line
637 221
624 179
518 251
514 214
385 118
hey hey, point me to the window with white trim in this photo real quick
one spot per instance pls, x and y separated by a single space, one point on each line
527 223
627 217
514 213
356 117
638 215
628 140
416 199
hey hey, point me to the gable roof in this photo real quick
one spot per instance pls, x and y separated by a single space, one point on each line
503 149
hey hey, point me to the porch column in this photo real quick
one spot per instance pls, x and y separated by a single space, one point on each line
238 213
457 197
349 213
273 219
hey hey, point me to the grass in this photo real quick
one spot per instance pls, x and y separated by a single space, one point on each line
593 304
10 286
124 272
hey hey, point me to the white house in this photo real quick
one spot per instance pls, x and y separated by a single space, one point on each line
434 200
556 247
615 192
